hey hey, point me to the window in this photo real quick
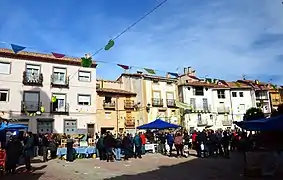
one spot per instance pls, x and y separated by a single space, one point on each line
84 99
97 86
226 119
205 104
32 71
193 103
107 115
241 94
5 68
4 95
198 91
31 100
221 94
70 126
84 76
108 99
234 94
44 127
169 95
59 75
60 104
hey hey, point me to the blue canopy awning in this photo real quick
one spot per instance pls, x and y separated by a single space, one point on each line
5 126
158 124
265 124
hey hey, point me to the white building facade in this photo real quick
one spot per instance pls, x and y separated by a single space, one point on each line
50 95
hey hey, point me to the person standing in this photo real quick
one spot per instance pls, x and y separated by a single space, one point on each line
45 144
70 143
28 150
100 148
14 151
178 142
118 148
143 138
138 145
170 142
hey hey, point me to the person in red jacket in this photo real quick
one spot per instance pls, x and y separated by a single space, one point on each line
194 142
143 138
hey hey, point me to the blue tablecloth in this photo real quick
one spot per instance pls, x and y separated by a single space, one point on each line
77 150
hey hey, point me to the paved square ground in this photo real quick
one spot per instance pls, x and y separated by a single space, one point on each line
151 166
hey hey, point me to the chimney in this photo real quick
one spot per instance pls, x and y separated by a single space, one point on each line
189 70
139 72
185 70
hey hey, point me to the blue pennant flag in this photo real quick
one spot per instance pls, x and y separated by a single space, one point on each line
173 74
17 48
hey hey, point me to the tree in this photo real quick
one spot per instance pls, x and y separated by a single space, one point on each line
253 114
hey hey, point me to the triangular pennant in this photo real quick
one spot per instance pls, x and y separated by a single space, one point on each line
173 74
124 66
17 48
150 71
58 55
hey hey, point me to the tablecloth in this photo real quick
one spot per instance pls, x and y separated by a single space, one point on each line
77 150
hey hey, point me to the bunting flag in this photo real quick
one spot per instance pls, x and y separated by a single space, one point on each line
273 86
150 71
237 84
209 80
109 45
215 81
173 74
183 105
125 67
86 61
53 99
17 48
58 55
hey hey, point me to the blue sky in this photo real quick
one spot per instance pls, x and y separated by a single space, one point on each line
219 38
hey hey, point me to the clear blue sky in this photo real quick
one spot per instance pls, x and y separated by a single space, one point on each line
219 38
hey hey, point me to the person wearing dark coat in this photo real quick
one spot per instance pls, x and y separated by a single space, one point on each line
109 143
100 148
28 150
138 145
44 145
70 143
126 145
14 151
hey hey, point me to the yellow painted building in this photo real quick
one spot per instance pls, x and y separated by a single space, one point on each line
156 96
116 108
275 97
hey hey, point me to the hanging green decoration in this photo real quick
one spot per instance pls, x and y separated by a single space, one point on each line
42 109
53 99
86 62
109 45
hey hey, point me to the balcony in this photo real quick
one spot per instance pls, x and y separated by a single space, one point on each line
223 110
157 102
129 104
32 79
56 108
202 122
170 103
227 123
109 105
31 106
130 123
200 109
60 83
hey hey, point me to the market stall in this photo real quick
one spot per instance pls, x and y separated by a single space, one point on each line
157 124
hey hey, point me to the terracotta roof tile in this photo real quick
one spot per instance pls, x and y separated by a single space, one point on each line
115 91
236 85
40 57
153 77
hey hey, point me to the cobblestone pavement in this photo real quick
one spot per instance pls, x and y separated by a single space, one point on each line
151 166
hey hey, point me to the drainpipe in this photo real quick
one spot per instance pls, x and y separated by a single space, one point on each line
117 115
232 110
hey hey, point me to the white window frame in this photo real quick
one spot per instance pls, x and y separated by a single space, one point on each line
5 91
33 67
84 77
84 103
9 66
60 70
221 94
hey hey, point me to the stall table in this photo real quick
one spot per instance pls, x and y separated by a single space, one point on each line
87 151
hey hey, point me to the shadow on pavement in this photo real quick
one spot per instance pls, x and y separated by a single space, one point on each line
20 174
196 169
